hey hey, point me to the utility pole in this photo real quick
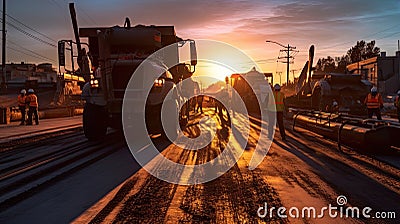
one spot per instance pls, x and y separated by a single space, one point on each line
3 67
287 49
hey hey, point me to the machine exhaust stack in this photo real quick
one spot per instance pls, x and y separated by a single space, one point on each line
310 61
76 31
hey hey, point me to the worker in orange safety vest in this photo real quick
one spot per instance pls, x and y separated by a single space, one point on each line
374 103
22 105
280 108
32 102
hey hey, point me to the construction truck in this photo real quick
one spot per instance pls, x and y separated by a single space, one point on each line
252 87
114 53
318 90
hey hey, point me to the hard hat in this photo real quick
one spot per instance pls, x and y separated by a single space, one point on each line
374 90
30 91
23 91
398 92
334 103
277 87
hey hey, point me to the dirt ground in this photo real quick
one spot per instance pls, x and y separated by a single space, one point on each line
306 170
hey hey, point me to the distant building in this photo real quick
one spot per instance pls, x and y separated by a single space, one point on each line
19 74
382 71
45 73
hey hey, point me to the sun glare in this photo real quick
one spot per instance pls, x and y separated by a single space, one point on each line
209 72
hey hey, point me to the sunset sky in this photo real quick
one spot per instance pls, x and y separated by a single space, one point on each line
332 26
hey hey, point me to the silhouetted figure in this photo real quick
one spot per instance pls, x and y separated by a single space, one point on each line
279 98
32 102
374 103
199 103
22 105
334 107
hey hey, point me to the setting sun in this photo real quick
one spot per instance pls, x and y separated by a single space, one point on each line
208 72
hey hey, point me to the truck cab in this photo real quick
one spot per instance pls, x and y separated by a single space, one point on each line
114 54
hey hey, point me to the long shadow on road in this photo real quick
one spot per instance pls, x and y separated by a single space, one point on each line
347 180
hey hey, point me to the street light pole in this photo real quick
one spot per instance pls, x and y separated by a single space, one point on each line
286 49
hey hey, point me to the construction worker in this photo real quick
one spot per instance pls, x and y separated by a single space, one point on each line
335 106
397 104
374 103
32 102
22 105
199 99
280 108
224 97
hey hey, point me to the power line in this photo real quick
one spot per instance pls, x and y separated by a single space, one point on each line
30 28
58 4
22 52
26 49
390 28
290 53
84 12
29 34
88 16
367 36
389 35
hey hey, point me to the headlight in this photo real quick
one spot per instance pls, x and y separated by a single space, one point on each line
159 82
94 83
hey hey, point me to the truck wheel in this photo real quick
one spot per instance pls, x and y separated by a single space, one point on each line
94 121
171 125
